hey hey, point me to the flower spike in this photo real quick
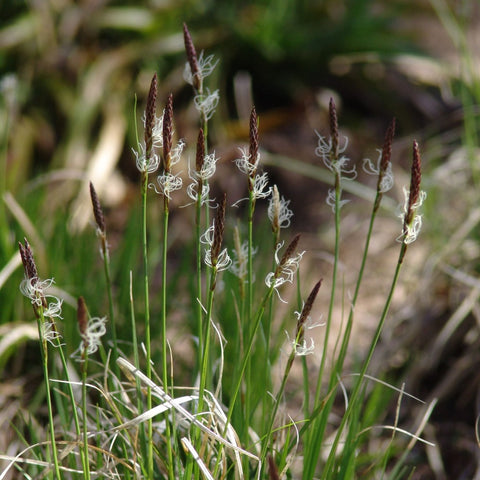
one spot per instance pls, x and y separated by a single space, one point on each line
332 110
97 210
150 118
192 59
167 133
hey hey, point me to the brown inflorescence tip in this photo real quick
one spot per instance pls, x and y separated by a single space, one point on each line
82 316
27 259
415 180
218 230
200 151
150 117
332 111
307 308
290 250
387 147
253 148
97 209
192 58
167 133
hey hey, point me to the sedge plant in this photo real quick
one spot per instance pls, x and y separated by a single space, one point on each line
232 421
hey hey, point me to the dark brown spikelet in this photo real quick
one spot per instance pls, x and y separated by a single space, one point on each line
82 316
97 209
218 230
387 148
167 133
272 469
23 256
332 110
150 117
307 308
415 180
27 259
200 151
192 58
253 148
292 246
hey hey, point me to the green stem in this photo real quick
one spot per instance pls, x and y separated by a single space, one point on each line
198 306
44 353
86 463
317 432
204 372
245 361
144 189
169 431
333 289
248 320
359 383
278 397
106 267
348 329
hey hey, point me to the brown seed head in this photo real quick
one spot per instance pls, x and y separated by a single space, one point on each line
415 180
150 117
332 109
253 149
218 231
82 316
289 251
192 58
387 147
200 151
97 209
307 308
167 133
28 261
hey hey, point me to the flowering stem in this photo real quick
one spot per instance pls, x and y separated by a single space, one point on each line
44 353
348 329
333 289
248 319
206 346
86 466
168 429
144 188
106 266
198 306
273 414
245 361
359 383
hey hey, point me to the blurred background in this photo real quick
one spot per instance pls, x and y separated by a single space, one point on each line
73 81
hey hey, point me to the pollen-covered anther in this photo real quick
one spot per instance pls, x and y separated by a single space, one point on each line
144 165
278 212
207 103
287 266
414 198
167 184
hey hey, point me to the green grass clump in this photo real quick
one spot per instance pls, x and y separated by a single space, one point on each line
115 404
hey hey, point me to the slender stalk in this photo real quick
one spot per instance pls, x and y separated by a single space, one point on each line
298 345
245 361
287 261
333 155
44 353
144 189
86 462
204 371
352 405
249 304
169 430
